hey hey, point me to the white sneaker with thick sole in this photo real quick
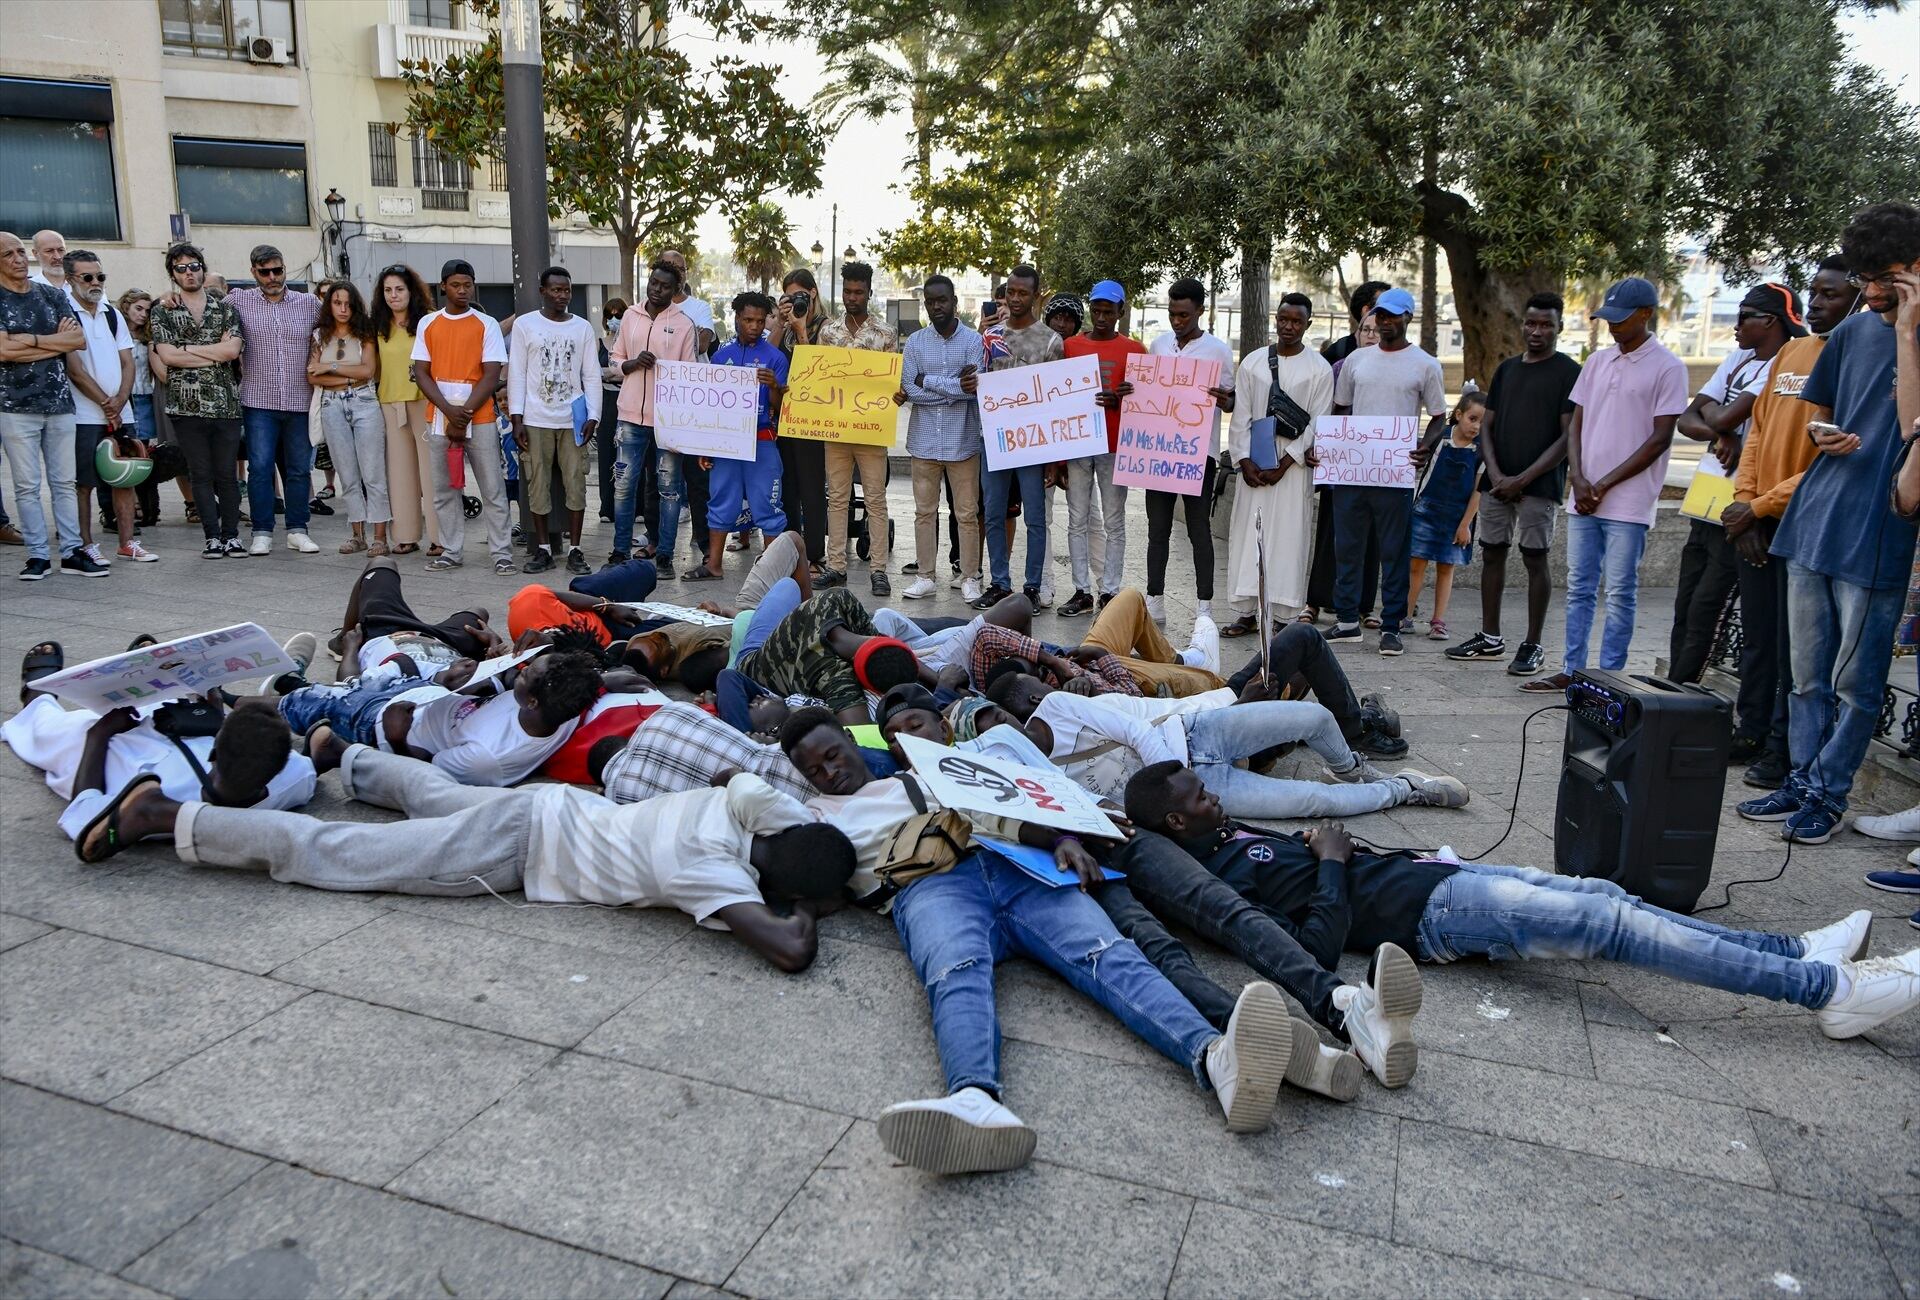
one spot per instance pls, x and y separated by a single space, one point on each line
967 1133
1903 826
262 544
970 590
1878 989
918 589
1314 1066
301 647
1247 1063
1379 1016
1206 641
1157 609
1844 940
298 542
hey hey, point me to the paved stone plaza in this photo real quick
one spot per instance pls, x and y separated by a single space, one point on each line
216 1085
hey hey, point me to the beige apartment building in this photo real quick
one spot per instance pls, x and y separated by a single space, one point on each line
252 121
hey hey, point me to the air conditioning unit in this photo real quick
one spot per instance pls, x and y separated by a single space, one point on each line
268 49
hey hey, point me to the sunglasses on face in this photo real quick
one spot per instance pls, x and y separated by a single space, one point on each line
101 278
270 270
189 268
1746 316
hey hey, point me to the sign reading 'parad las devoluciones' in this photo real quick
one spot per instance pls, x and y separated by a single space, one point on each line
1366 450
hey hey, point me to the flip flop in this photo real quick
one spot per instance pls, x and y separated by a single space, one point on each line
1245 625
144 639
41 660
701 573
110 818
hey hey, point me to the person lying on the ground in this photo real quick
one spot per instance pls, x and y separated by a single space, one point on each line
1085 669
959 908
497 732
1313 1065
614 717
1127 631
944 643
1102 740
1444 910
1303 662
683 747
717 854
87 756
828 648
380 624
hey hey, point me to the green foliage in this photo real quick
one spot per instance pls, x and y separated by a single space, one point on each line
763 242
637 140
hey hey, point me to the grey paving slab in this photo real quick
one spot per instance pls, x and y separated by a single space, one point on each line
35 1275
1505 1011
289 1232
339 1086
1229 1254
677 1175
1900 1239
637 935
525 987
685 1290
100 1188
16 930
90 1018
1837 1161
1002 1235
1787 1067
1624 1226
1644 1057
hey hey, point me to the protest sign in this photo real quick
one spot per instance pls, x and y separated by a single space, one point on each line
1366 450
677 613
488 669
1166 424
706 410
171 670
1710 492
841 395
979 783
1036 415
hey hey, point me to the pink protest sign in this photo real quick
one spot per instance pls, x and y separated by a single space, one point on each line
1166 424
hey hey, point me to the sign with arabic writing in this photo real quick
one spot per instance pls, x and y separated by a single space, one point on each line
1366 450
841 395
706 410
1166 424
1036 415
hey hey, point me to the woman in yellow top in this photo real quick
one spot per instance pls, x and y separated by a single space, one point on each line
401 301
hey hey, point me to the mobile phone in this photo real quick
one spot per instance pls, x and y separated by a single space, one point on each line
1816 428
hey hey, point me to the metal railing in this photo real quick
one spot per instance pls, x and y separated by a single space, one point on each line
1898 725
444 200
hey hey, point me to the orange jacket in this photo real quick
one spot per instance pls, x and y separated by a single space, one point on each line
1778 449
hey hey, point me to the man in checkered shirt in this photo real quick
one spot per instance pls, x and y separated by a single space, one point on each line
682 747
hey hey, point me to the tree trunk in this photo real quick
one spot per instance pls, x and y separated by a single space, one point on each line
629 243
1490 302
1429 269
1256 269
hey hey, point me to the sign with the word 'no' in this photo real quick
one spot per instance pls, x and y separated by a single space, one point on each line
974 782
706 410
1366 450
1036 415
1166 424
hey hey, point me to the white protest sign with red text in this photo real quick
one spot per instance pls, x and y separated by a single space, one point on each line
1366 450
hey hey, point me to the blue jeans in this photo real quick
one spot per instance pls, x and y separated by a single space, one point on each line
144 423
1595 546
352 708
1842 646
1516 912
1217 738
1384 517
757 481
626 583
277 438
994 487
631 450
734 691
41 451
956 925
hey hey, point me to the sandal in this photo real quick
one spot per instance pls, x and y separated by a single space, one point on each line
701 573
353 544
109 819
1245 625
377 548
193 513
1308 614
324 494
644 551
42 660
405 548
435 551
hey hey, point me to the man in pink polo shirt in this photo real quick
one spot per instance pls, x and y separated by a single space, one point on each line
656 330
1625 404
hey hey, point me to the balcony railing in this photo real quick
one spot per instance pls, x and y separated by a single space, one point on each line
444 200
398 41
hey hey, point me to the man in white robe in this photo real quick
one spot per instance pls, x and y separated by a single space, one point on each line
1280 498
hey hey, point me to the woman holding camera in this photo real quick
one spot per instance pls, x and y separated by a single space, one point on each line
803 478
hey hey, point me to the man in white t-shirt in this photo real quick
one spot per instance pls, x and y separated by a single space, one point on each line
715 854
102 389
1186 300
552 364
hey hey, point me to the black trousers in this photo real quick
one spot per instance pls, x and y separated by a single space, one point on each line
1199 517
1169 956
603 445
212 447
1707 578
803 492
1299 649
1766 660
1320 578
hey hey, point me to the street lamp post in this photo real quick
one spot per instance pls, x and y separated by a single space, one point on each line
526 146
833 276
336 207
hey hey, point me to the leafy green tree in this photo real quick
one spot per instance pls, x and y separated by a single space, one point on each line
763 242
638 140
872 80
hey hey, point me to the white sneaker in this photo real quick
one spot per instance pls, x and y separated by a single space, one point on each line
296 542
1844 940
93 552
1204 608
1878 989
967 1133
918 589
1913 858
970 590
1247 1063
1891 826
1314 1066
1206 643
262 544
1379 1016
1434 791
1157 609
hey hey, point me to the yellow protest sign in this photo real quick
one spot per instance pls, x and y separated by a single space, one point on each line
841 395
1710 492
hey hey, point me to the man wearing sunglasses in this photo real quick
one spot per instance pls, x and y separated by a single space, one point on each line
196 343
102 389
274 397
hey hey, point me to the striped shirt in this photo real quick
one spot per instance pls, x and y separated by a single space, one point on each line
273 377
683 748
944 424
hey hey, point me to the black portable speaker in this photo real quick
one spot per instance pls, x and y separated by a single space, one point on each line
1641 784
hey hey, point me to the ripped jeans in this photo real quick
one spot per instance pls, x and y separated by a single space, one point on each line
957 924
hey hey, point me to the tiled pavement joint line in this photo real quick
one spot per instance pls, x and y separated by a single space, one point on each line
305 993
273 973
1173 1269
787 1204
531 1075
1393 1206
197 1215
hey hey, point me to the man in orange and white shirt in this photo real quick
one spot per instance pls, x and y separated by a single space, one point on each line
656 330
457 356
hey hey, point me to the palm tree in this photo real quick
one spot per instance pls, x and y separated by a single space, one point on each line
763 242
872 81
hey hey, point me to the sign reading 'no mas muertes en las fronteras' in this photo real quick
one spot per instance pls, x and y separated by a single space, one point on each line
706 410
1036 415
1366 450
841 395
1166 424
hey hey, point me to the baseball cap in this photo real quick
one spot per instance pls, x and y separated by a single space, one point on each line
1394 302
907 695
1626 298
1779 301
1107 291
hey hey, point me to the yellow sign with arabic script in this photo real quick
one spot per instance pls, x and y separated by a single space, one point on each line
841 395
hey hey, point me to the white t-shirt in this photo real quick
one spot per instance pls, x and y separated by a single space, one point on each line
697 311
476 741
1204 347
872 815
1373 381
429 654
105 343
1738 372
1080 724
551 363
687 850
53 739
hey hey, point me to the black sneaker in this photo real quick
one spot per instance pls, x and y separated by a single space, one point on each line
881 586
1375 713
830 578
663 568
234 547
910 567
34 570
1769 771
577 562
1390 644
1106 598
615 557
519 535
80 564
319 507
213 550
1077 604
989 598
1744 749
1033 597
539 562
1528 660
1478 646
1378 744
1343 632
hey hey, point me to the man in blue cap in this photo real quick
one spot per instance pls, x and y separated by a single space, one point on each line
1625 404
1393 379
1103 341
